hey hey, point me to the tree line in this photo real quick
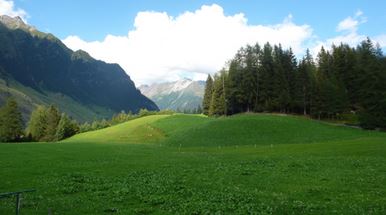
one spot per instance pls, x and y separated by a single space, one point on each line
344 81
45 124
119 118
197 110
48 124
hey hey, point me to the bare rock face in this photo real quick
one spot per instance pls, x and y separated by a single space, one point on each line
184 94
15 23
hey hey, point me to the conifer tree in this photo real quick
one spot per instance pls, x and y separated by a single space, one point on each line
284 70
266 78
373 89
250 77
207 95
218 104
85 127
66 128
256 70
304 84
330 97
199 109
11 123
37 124
52 120
343 80
236 96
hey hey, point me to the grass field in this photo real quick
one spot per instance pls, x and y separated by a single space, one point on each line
190 164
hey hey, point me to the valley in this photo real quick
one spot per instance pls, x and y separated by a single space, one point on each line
163 164
192 107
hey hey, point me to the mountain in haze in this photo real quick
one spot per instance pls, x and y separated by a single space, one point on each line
37 68
181 95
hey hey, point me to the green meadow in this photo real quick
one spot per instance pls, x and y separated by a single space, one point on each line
191 164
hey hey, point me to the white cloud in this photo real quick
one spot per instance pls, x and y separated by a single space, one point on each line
193 44
7 7
359 13
381 40
349 24
349 33
352 39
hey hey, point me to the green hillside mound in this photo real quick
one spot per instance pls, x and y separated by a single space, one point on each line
134 131
269 166
246 129
254 129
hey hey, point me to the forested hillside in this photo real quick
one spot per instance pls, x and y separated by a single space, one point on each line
340 82
37 68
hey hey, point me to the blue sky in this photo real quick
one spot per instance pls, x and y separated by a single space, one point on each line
157 41
94 19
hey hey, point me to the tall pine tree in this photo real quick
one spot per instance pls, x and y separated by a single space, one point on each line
266 79
343 80
37 124
207 95
218 104
52 120
236 96
304 85
66 128
373 89
11 123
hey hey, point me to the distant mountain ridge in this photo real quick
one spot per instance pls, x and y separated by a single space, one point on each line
16 23
181 95
37 68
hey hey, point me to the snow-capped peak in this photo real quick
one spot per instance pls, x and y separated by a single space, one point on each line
180 85
184 94
166 88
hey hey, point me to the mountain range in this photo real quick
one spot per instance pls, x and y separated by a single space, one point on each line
37 68
180 95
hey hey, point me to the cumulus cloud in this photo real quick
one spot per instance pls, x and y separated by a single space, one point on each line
7 7
193 44
348 29
351 23
348 24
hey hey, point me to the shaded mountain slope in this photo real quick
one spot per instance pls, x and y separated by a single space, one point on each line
42 65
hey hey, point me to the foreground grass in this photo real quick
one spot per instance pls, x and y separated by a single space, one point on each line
343 171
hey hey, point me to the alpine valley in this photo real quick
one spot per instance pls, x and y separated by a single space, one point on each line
278 127
181 95
38 69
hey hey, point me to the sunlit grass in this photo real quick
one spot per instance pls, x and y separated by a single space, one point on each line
247 164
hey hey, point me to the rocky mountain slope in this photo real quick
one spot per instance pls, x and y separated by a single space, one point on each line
181 95
37 68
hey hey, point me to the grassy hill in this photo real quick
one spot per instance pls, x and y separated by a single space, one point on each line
135 131
252 130
247 129
190 164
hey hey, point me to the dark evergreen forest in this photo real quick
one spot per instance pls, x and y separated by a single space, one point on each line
344 81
